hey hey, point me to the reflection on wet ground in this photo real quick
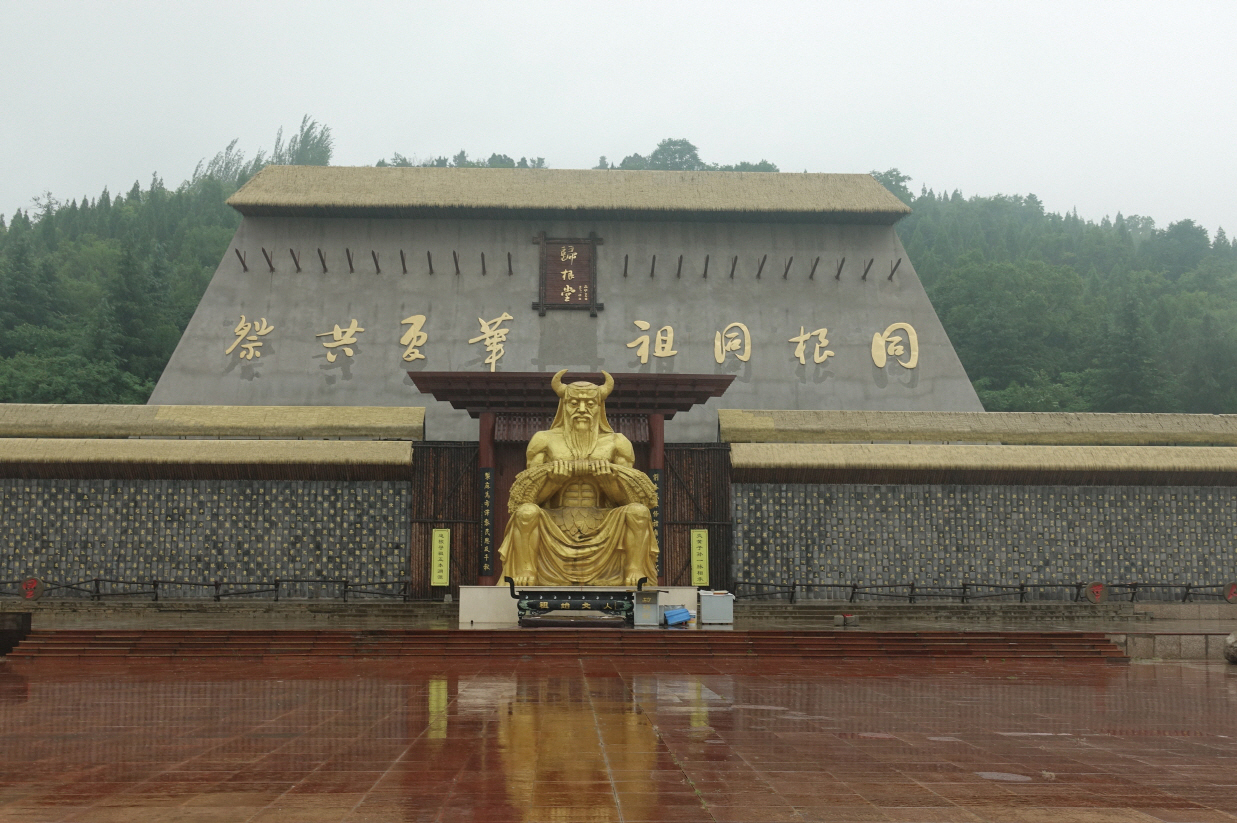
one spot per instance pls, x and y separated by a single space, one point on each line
636 740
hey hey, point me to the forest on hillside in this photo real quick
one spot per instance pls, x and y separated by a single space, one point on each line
1048 312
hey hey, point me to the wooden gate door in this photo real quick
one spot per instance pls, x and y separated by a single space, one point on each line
444 496
696 495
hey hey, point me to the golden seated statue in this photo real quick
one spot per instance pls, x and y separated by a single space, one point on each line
580 513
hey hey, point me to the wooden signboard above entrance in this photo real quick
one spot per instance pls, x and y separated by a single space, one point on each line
568 274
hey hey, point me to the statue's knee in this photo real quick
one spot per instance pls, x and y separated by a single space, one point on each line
526 515
638 514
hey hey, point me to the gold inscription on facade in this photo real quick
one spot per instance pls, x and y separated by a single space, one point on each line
494 337
734 338
342 339
249 332
820 354
887 344
663 346
414 338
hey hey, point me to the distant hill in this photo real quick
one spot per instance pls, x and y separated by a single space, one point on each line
1048 312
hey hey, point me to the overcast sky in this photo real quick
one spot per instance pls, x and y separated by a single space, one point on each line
1105 107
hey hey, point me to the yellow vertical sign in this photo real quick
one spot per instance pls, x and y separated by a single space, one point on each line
437 698
700 557
440 558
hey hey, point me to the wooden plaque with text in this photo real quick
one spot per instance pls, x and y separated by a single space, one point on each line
568 277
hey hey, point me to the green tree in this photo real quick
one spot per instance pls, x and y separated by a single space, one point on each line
763 165
676 155
312 145
896 182
1129 373
1177 249
1012 322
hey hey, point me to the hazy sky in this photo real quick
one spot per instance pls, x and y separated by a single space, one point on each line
1105 107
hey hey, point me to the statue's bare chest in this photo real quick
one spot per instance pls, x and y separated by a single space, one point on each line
557 449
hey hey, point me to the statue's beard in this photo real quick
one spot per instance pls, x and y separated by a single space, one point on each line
582 441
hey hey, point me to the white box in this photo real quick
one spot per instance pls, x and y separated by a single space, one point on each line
716 607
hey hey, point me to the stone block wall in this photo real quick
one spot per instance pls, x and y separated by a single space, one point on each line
949 535
205 530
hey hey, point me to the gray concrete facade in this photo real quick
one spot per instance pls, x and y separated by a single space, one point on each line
292 366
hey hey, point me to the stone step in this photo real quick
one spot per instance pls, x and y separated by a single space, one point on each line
267 644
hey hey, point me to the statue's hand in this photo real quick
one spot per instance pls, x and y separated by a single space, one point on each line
561 468
601 467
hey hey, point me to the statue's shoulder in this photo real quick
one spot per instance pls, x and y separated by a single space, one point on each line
540 442
618 443
617 438
542 439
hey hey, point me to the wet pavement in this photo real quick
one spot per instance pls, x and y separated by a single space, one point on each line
618 740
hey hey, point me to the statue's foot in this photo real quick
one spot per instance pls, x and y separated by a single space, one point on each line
524 578
633 578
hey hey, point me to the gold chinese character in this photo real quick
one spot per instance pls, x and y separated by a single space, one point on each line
663 347
567 292
567 253
821 354
494 338
242 331
568 274
565 605
586 605
641 343
889 344
734 338
345 338
543 605
414 337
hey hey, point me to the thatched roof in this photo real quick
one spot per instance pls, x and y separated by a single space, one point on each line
269 422
996 464
738 426
923 457
205 459
395 192
201 452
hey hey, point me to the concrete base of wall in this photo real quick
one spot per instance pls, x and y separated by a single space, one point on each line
1188 611
983 612
234 614
1172 646
14 626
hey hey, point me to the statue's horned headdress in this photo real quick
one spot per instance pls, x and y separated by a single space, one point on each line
557 384
603 391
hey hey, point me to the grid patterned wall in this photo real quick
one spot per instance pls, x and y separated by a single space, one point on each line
203 530
948 535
